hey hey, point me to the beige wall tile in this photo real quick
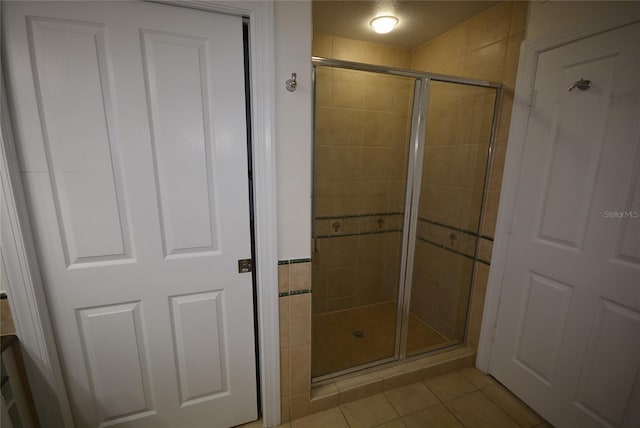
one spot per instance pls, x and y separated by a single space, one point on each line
347 89
511 60
349 50
300 276
497 165
358 392
285 373
345 127
283 278
402 379
285 409
489 27
404 58
504 120
484 249
284 321
302 406
491 214
475 319
378 54
378 128
6 320
480 278
487 62
300 319
300 370
519 12
322 45
447 47
441 368
421 58
324 83
319 391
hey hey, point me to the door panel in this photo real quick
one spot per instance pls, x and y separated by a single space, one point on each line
202 367
69 67
119 375
567 334
131 136
181 140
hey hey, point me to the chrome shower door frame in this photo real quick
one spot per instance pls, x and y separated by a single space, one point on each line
412 187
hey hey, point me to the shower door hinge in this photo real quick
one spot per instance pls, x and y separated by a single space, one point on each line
530 97
245 265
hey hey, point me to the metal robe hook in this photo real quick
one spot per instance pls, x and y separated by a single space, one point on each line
291 84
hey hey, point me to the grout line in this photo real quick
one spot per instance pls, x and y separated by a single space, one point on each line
340 407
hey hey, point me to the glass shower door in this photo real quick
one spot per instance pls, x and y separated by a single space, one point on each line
363 123
448 205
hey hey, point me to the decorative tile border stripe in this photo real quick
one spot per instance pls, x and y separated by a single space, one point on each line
457 229
293 293
444 247
293 261
337 217
377 232
354 225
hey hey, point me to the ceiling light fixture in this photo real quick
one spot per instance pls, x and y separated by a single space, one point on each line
384 24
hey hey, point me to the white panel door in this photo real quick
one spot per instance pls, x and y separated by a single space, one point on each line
131 133
568 333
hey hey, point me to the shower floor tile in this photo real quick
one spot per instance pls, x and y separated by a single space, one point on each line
335 347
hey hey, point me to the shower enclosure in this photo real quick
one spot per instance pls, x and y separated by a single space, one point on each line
400 167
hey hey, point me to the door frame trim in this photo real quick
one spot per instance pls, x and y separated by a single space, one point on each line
529 53
18 257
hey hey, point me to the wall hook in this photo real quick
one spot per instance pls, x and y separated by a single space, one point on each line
291 84
581 84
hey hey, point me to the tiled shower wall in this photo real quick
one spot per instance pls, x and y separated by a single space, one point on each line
362 122
485 47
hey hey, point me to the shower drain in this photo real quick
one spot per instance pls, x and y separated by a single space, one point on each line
358 333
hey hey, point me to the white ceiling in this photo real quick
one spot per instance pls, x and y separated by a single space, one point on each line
420 21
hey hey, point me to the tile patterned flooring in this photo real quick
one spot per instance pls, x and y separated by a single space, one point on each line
335 348
462 399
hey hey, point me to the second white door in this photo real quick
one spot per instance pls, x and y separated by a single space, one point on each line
130 127
568 334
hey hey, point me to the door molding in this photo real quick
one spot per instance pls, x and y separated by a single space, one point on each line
529 53
24 283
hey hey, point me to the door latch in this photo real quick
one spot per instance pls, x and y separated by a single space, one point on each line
245 265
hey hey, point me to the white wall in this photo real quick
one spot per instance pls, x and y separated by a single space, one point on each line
549 16
293 32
